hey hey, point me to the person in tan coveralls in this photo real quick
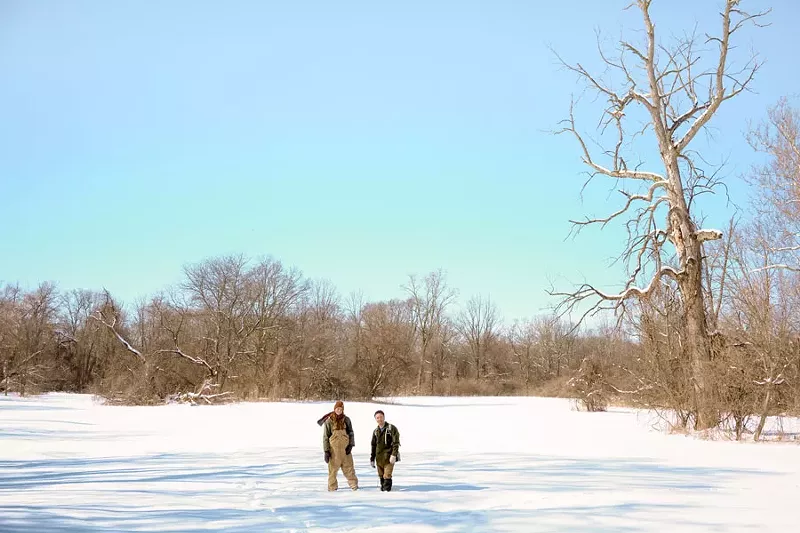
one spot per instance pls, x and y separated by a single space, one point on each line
337 442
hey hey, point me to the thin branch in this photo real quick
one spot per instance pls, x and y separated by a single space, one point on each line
631 198
621 173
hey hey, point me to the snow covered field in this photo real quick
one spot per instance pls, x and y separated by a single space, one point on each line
69 464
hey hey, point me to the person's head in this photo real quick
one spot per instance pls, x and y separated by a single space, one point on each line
338 408
380 418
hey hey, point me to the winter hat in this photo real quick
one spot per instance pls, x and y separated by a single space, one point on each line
339 403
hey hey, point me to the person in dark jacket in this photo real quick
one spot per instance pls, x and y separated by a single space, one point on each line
337 442
385 450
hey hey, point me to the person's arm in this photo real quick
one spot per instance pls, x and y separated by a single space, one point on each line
349 427
326 435
395 440
373 445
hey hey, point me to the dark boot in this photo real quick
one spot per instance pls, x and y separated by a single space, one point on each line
388 485
383 484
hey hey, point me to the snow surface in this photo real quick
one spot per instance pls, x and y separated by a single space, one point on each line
69 464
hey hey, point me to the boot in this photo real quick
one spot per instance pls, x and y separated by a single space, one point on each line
389 485
383 484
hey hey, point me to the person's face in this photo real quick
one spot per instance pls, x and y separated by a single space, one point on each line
380 418
338 410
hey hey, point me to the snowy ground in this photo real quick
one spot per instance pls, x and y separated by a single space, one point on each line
68 464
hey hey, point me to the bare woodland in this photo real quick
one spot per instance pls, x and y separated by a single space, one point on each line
706 324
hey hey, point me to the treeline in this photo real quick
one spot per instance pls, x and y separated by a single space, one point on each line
243 329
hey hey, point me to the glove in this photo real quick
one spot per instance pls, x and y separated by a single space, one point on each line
392 459
327 456
347 449
372 463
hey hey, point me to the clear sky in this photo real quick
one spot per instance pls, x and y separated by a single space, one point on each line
358 141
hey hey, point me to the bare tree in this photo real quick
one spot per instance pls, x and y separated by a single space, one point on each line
320 327
78 335
479 324
354 323
554 340
217 290
10 299
241 309
542 347
35 338
763 320
590 385
25 333
777 183
325 303
678 91
276 293
429 301
522 338
442 352
387 338
136 365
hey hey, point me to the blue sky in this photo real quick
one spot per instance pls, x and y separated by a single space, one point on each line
358 141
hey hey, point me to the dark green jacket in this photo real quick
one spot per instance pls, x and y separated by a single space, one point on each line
327 431
385 443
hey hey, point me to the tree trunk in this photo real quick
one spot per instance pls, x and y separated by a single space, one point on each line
276 373
739 429
682 234
697 346
764 413
421 365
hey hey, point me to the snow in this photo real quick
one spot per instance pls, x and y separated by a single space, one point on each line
708 235
69 464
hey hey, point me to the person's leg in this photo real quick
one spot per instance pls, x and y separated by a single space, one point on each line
380 477
338 441
349 471
333 484
387 476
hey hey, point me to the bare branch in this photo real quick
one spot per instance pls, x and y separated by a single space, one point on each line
637 391
617 172
777 266
588 291
98 316
631 198
718 91
195 360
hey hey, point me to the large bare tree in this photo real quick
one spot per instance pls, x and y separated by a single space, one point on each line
667 93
